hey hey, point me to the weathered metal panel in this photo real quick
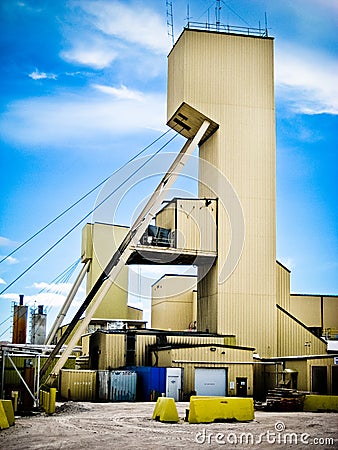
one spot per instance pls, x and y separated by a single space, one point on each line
103 380
20 324
78 385
122 386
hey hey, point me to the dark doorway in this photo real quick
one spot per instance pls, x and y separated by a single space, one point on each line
319 379
241 387
334 380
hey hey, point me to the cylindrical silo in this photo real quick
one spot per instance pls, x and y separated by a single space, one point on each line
38 331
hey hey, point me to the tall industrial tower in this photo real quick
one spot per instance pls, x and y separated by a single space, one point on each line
229 78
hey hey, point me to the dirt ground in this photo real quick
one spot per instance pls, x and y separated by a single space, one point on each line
129 426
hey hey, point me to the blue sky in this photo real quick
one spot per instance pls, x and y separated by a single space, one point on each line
83 88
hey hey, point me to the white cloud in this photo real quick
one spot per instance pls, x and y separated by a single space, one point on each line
2 281
79 122
122 93
61 288
10 260
37 75
96 54
44 298
133 23
5 242
307 80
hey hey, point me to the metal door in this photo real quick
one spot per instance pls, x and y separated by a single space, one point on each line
174 383
241 387
319 379
210 382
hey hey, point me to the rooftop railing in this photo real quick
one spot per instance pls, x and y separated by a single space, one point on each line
261 32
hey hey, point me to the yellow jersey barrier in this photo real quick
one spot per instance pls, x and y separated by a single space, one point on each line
211 409
6 414
165 410
317 403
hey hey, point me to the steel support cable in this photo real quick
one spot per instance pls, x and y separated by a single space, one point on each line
87 215
66 273
82 198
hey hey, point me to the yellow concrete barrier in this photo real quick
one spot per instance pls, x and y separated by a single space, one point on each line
210 409
313 403
9 411
3 418
165 410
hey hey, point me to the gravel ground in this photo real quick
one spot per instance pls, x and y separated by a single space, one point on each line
129 426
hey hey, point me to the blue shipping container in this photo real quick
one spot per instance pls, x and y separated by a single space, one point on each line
151 383
122 386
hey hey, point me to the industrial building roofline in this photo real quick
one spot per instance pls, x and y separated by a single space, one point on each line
300 323
296 357
194 345
228 29
155 331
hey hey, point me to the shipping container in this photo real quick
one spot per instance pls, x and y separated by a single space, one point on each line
151 383
78 385
103 385
122 386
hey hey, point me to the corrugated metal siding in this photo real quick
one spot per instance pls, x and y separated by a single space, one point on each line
166 218
230 79
103 380
112 351
283 287
294 340
190 358
196 225
78 385
122 386
142 343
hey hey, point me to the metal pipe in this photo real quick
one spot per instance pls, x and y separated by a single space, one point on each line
3 374
21 378
64 309
37 382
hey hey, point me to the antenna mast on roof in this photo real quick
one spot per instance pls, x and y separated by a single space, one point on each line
170 21
218 14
